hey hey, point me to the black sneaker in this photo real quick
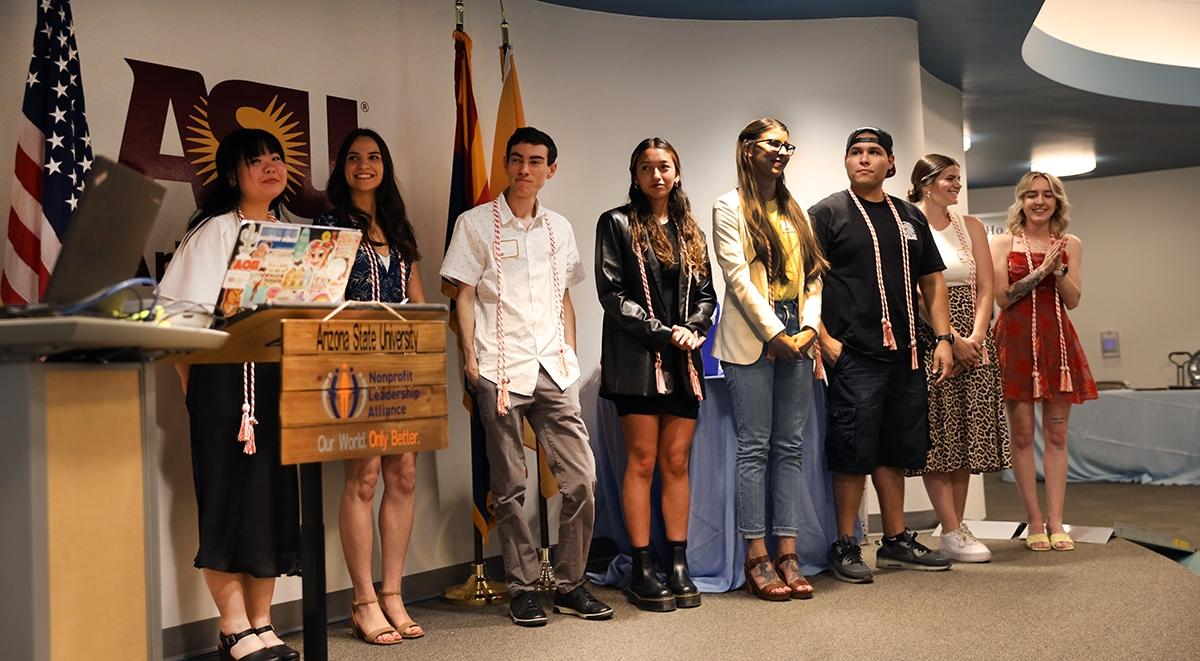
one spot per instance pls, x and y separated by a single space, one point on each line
904 552
580 603
526 610
846 563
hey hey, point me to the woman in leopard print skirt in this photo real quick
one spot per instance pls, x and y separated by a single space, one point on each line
968 431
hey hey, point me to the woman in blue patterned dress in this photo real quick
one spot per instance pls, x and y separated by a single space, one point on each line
363 192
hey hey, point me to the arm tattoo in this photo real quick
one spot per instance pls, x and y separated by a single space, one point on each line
1025 285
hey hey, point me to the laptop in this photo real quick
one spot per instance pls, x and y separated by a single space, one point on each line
105 238
285 263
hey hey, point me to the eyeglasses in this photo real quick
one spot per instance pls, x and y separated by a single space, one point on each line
785 148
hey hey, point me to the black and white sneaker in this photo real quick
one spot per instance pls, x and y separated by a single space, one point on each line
526 610
581 603
904 552
846 563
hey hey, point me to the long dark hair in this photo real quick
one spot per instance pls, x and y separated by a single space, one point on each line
241 145
754 210
389 205
646 229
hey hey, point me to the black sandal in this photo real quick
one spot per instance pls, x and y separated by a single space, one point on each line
282 651
226 643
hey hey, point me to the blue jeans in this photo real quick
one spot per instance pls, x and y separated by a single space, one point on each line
770 408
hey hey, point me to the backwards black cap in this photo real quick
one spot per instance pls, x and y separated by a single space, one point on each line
872 134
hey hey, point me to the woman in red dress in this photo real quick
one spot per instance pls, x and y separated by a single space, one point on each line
1038 275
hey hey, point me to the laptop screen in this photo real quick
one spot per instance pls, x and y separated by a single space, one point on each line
287 263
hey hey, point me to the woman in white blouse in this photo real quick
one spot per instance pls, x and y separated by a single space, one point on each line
968 431
247 503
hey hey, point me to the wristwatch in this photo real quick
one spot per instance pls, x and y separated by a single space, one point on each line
1062 272
949 337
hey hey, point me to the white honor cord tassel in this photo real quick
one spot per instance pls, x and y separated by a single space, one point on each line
889 339
246 430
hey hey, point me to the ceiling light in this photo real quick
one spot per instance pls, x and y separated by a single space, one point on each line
1063 162
966 141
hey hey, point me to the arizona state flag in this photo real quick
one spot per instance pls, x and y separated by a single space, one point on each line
468 189
509 117
468 178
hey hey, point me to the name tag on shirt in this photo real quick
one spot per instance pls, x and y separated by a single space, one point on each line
510 249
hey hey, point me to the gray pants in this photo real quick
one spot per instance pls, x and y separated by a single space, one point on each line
557 421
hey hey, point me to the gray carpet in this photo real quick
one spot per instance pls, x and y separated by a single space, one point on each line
1112 601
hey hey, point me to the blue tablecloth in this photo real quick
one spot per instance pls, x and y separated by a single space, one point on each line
1145 436
716 553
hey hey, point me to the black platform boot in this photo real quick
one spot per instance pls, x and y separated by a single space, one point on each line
645 590
686 594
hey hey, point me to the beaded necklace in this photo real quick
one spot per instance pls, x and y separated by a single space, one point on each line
503 403
246 428
1064 370
889 339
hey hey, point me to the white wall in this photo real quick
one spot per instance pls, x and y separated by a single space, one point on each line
597 82
1139 238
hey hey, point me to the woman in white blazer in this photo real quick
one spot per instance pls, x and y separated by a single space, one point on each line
765 341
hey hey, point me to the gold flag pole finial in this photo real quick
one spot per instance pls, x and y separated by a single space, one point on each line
503 26
458 14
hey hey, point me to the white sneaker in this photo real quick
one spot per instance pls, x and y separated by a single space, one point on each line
960 545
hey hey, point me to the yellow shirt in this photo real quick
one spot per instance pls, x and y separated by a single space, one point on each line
781 291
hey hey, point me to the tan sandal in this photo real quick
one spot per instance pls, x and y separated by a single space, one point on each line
404 628
372 637
801 588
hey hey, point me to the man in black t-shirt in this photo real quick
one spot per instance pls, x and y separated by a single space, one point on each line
881 255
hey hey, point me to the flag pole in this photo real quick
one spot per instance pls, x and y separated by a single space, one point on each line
478 589
545 580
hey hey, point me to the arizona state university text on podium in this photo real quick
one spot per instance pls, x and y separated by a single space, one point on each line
363 387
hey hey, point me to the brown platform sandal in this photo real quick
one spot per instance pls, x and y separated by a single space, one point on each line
404 627
763 564
801 588
372 637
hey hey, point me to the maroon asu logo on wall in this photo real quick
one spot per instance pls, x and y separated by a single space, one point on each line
204 116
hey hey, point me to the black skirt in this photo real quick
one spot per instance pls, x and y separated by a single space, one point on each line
681 402
248 506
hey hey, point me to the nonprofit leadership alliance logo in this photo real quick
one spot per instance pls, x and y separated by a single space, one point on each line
343 393
202 116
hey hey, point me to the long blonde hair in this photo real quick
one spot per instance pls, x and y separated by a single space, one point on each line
1062 209
762 235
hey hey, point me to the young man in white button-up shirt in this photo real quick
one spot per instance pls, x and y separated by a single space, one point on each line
514 261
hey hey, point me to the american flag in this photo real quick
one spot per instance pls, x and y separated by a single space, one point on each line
54 154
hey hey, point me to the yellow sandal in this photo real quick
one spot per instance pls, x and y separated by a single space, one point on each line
1061 541
1038 542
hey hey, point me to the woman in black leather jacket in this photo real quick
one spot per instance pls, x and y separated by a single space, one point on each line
655 285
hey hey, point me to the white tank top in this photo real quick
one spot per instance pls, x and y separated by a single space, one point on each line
957 271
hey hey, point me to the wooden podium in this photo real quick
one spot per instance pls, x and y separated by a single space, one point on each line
364 379
79 562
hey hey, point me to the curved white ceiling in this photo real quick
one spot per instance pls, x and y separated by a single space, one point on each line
1147 50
